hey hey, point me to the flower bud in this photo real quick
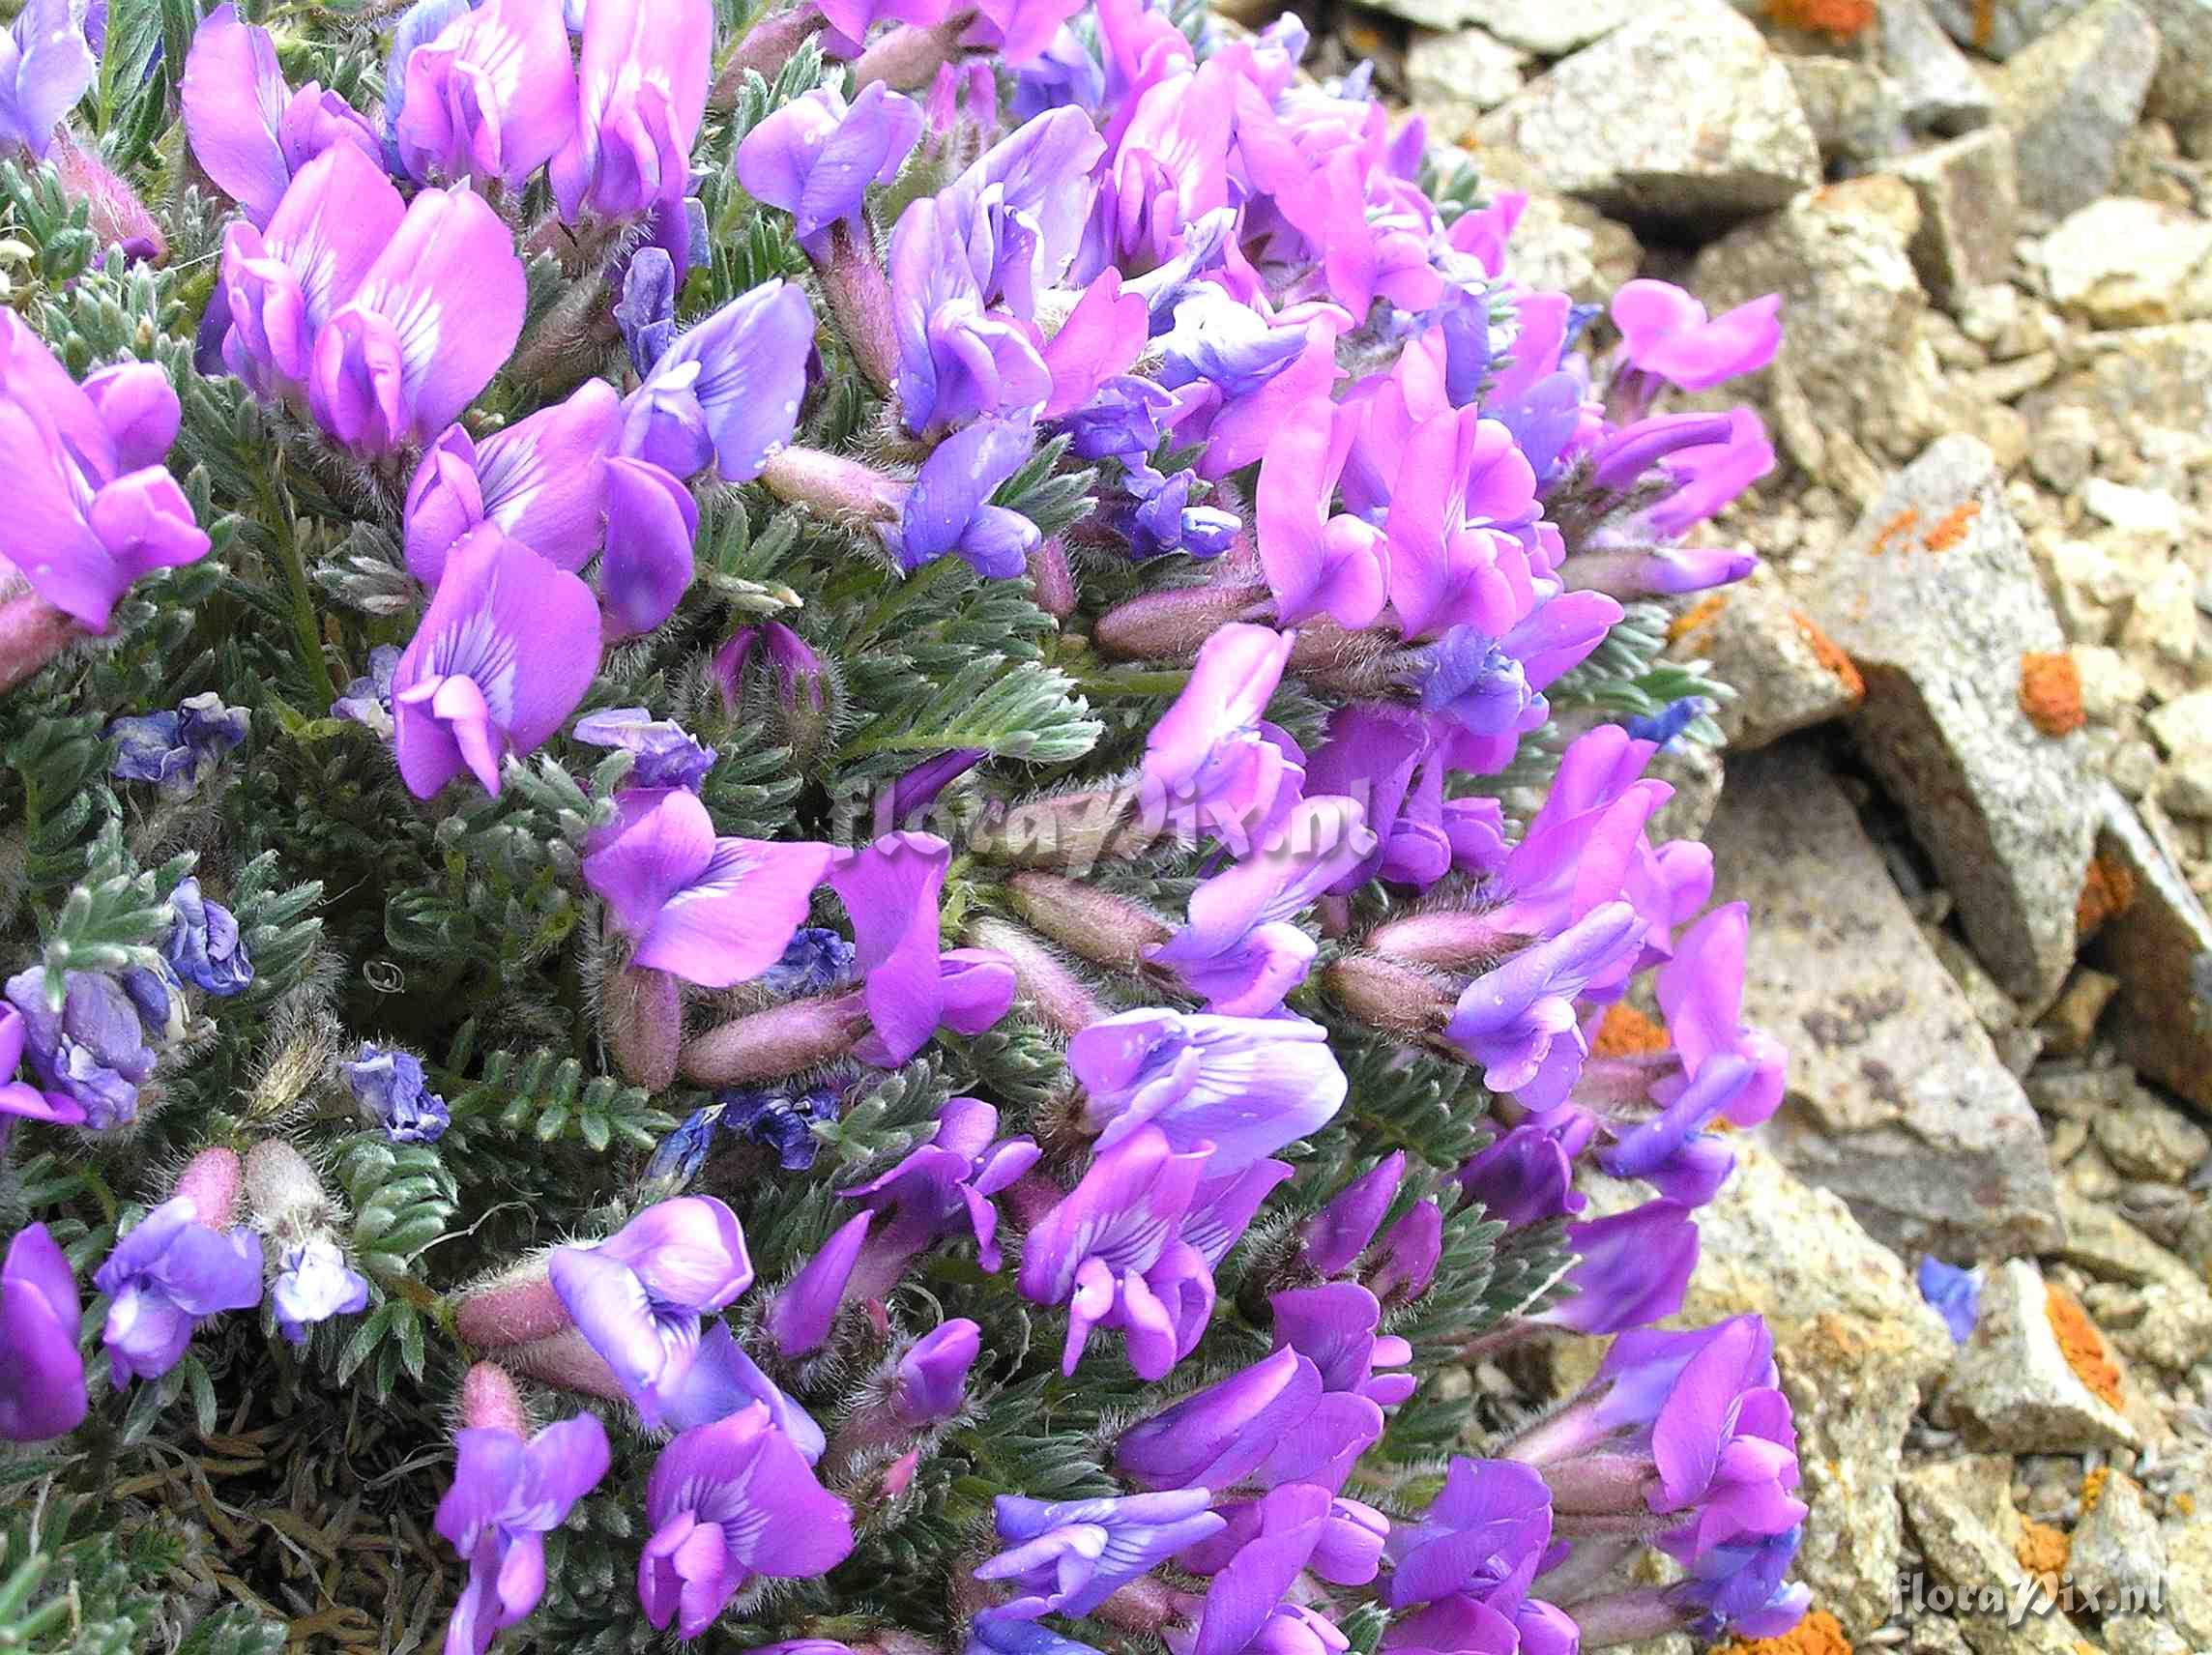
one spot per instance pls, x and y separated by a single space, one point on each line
512 1309
32 633
212 1181
1335 1236
1171 624
489 1401
1384 994
1055 995
932 1377
1106 929
782 1040
641 1019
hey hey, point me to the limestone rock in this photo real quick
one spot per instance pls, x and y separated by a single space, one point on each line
1941 92
2117 1547
1962 1515
2141 1634
1970 213
1856 111
1682 116
1855 347
2127 262
1897 1100
2071 98
2157 1310
1454 76
1763 646
2159 945
2012 1388
1934 597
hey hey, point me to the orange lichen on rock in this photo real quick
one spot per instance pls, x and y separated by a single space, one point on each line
1830 654
1903 524
2043 1551
1819 1632
1842 18
1952 528
2093 1488
1985 24
2106 890
1700 615
2082 1345
2050 692
1626 1032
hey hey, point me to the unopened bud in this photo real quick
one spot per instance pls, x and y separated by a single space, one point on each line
1454 939
489 1401
32 633
1103 928
1055 995
1385 994
1171 624
641 1019
211 1182
514 1309
782 1040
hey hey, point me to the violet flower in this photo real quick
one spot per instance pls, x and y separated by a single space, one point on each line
646 312
641 89
1238 950
1332 1239
800 1317
18 1099
730 1504
1954 1295
948 508
506 649
1337 1327
203 946
490 98
930 1381
1518 1019
45 66
166 1276
783 1124
1664 332
391 1085
1528 1175
88 1058
722 1380
313 1283
42 1372
890 891
93 505
1706 479
815 960
726 392
957 360
1248 1605
1212 755
1701 990
1068 1556
367 699
938 1191
1630 1269
816 157
177 749
1242 1086
506 1496
249 132
637 1296
1318 562
1110 1251
667 754
1484 1536
1272 1423
542 479
1738 1588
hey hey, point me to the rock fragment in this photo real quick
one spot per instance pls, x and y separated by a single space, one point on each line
2072 98
1970 213
2016 1387
1961 1516
2128 263
1939 88
1789 675
2157 940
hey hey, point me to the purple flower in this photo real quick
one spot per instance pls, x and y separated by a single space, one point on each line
727 392
1528 1175
41 1374
816 157
730 1503
249 132
505 1497
401 354
1210 752
801 1315
641 89
93 504
204 946
1664 332
177 749
667 755
783 1124
1518 1019
1335 1328
1274 1422
1701 990
1408 1254
1955 1295
637 1296
542 479
313 1283
1318 563
948 508
938 1191
957 360
722 1380
712 910
1332 1239
816 959
165 1277
1068 1556
677 1157
1242 1086
1630 1269
506 649
890 891
931 1380
389 1084
1740 1587
1706 479
490 98
646 312
1485 1535
1109 1250
45 64
367 699
1247 1605
90 1058
1239 952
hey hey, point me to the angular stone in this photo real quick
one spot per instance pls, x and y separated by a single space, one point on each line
1970 213
2127 262
2117 1547
2149 1139
1941 92
1856 112
1962 1515
2182 92
2071 98
1693 771
1937 599
1453 77
2159 945
2187 1532
1680 117
2139 377
2012 1388
1856 345
1548 29
1785 672
1897 1100
2167 1317
2001 30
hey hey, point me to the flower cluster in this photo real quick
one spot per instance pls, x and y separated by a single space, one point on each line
1023 1207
